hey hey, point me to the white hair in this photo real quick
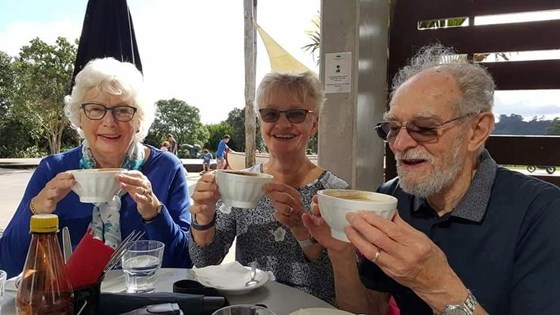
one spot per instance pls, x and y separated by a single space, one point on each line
113 77
475 82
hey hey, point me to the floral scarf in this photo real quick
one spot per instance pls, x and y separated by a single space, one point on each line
105 219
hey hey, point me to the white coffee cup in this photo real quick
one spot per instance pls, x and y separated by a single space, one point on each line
241 189
334 204
96 185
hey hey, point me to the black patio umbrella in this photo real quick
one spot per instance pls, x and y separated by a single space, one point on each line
107 32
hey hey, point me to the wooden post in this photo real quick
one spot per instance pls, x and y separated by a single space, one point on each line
250 15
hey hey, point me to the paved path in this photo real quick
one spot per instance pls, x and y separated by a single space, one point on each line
12 186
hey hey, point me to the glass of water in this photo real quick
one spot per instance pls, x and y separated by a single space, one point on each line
140 263
243 309
3 276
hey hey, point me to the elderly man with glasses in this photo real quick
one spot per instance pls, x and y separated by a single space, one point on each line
469 237
108 109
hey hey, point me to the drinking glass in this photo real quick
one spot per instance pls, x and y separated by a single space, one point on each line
140 263
243 309
3 276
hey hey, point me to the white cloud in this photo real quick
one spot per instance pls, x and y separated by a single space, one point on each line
192 50
16 35
528 103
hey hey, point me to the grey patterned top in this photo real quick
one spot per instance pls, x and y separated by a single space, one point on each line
263 239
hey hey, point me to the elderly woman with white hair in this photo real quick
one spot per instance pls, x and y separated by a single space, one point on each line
108 109
273 235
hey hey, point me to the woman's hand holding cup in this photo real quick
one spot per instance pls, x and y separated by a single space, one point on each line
56 189
205 196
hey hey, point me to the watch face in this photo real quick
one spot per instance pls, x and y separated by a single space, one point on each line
454 310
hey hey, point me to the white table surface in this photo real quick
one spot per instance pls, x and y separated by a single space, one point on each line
279 298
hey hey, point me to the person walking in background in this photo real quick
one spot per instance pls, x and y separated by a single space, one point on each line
165 146
172 144
221 152
206 159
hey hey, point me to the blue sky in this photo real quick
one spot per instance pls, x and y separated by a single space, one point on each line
193 50
39 10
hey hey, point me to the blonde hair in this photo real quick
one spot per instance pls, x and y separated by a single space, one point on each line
304 86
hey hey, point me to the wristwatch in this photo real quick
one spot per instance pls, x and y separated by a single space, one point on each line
307 242
466 308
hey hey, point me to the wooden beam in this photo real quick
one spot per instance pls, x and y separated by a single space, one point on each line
525 150
525 75
437 9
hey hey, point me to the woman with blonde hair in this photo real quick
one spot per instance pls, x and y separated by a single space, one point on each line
273 235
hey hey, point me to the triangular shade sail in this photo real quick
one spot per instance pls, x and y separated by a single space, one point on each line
280 59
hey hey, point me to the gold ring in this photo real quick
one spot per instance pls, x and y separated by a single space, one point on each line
290 211
377 254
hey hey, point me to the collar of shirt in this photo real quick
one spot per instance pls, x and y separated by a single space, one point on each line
475 201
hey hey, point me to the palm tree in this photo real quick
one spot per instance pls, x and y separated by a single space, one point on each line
315 36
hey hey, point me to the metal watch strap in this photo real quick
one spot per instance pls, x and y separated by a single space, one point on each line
307 242
466 308
198 227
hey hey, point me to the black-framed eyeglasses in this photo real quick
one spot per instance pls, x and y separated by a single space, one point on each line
295 116
421 129
96 111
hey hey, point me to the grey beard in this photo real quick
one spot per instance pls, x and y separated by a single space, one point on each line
440 178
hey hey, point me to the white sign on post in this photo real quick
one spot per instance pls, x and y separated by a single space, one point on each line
338 72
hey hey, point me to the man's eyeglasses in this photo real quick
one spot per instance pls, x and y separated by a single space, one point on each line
295 116
96 111
420 129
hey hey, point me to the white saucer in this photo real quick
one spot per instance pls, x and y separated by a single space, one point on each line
320 311
237 285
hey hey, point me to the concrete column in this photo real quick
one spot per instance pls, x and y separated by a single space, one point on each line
348 145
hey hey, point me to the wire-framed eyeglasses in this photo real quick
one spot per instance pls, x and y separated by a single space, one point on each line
421 129
96 111
295 116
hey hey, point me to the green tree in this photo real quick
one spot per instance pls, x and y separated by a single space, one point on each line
16 140
554 129
43 76
236 121
7 82
314 35
180 119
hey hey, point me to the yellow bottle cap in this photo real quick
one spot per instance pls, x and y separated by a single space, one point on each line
44 223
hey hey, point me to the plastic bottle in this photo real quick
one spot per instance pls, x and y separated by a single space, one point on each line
45 287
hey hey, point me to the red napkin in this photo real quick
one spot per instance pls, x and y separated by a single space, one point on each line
87 262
